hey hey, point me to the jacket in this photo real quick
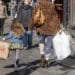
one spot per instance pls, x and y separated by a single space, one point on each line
52 23
24 14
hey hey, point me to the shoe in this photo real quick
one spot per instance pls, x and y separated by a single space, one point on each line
46 64
16 65
42 62
29 47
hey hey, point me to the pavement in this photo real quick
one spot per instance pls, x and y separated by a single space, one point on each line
29 60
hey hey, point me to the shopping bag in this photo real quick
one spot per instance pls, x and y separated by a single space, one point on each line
61 45
4 49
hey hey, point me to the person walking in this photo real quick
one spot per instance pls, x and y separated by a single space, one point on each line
14 37
3 16
13 8
45 20
24 15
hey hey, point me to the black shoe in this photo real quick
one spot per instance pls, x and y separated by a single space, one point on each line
17 61
29 47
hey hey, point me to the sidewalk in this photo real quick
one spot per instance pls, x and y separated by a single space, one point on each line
29 62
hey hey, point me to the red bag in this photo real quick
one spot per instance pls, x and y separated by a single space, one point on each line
4 49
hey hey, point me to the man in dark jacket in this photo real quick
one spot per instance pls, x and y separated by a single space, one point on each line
24 16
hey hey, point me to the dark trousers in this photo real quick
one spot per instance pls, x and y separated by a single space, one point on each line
1 26
27 38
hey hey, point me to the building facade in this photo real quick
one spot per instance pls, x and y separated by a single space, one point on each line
69 16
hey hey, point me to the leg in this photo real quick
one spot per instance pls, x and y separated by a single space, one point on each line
17 54
30 35
1 26
17 58
25 40
41 48
47 49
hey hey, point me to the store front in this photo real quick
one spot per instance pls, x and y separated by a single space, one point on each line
69 12
72 13
69 15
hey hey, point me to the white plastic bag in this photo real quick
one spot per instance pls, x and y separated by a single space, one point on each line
61 44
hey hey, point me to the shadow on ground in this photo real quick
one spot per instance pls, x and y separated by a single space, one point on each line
68 63
27 70
34 46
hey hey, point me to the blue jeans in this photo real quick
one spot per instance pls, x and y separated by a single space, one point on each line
47 40
27 39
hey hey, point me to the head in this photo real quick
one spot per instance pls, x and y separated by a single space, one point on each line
17 27
1 2
27 2
53 1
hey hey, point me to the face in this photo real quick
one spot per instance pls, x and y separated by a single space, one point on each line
27 2
0 2
53 1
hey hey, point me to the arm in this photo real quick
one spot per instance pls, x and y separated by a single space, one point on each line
9 36
31 24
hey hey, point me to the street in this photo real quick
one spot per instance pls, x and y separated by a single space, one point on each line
30 59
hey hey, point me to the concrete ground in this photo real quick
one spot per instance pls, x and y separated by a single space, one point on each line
29 61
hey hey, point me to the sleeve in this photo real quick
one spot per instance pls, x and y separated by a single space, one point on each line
9 36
